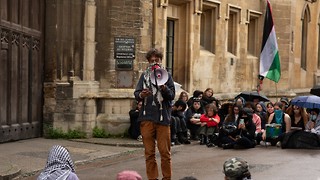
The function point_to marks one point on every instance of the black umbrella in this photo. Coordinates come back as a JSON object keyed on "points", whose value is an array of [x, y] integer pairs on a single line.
{"points": [[251, 95], [315, 91]]}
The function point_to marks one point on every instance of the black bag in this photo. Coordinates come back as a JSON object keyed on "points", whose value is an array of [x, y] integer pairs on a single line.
{"points": [[300, 140], [229, 129]]}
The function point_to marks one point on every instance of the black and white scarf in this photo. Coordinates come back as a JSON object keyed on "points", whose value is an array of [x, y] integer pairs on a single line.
{"points": [[59, 165]]}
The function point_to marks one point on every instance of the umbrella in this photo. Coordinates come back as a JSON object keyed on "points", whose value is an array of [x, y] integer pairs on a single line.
{"points": [[315, 91], [251, 95], [306, 101]]}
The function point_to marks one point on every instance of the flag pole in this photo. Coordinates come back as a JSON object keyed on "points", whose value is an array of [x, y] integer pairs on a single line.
{"points": [[276, 91]]}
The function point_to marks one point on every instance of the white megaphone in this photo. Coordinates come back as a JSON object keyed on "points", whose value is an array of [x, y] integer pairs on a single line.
{"points": [[159, 76]]}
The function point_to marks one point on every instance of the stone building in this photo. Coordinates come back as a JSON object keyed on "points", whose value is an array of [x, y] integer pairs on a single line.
{"points": [[93, 52]]}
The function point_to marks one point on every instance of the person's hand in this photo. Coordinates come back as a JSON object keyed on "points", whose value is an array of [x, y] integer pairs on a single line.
{"points": [[163, 87], [144, 93], [241, 126], [264, 135]]}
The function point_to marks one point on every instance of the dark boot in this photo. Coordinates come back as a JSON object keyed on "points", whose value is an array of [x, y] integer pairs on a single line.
{"points": [[182, 139], [227, 146], [203, 139], [210, 142], [187, 141]]}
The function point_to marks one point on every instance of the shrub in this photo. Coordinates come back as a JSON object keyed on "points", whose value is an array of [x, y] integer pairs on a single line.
{"points": [[57, 133], [99, 133]]}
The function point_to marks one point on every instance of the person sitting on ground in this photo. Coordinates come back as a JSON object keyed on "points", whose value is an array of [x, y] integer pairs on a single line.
{"points": [[299, 117], [192, 116], [270, 110], [196, 94], [134, 129], [224, 110], [244, 136], [179, 131], [236, 169], [240, 101], [128, 175], [59, 165], [313, 124], [285, 103], [261, 110], [208, 98], [255, 117], [184, 96], [209, 126], [281, 118], [229, 126]]}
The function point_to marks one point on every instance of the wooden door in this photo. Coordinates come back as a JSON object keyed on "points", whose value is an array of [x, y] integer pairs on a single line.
{"points": [[21, 69]]}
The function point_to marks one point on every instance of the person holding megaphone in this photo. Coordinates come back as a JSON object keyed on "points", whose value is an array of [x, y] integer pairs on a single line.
{"points": [[156, 90]]}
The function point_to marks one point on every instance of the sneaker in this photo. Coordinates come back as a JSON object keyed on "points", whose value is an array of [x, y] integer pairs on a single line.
{"points": [[139, 138], [278, 144], [263, 143]]}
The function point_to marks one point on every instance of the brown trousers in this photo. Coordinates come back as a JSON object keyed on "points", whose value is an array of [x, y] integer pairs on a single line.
{"points": [[153, 134]]}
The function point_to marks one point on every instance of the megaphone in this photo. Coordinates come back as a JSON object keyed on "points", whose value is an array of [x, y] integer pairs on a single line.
{"points": [[159, 76]]}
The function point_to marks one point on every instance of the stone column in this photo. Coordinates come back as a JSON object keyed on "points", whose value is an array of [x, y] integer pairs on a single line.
{"points": [[89, 40]]}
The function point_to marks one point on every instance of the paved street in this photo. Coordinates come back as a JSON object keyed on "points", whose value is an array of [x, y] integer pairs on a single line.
{"points": [[206, 163]]}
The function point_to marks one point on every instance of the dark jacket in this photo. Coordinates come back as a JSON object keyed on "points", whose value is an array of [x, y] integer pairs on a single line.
{"points": [[152, 113]]}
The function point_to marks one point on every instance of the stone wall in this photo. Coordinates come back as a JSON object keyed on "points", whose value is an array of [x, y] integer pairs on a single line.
{"points": [[75, 98]]}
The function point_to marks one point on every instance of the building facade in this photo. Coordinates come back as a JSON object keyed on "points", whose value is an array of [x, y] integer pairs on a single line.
{"points": [[93, 52]]}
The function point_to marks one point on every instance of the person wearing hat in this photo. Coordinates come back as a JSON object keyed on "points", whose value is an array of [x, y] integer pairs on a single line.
{"points": [[245, 135], [285, 103], [128, 175], [236, 169]]}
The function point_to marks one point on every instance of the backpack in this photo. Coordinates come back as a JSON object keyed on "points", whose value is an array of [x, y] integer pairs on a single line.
{"points": [[300, 140]]}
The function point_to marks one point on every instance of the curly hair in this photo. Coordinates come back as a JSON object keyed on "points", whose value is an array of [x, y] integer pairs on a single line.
{"points": [[154, 52]]}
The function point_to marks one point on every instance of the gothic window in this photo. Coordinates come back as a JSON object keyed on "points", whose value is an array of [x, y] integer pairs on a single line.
{"points": [[304, 37]]}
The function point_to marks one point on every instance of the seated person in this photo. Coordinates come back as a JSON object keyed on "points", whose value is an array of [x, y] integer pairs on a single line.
{"points": [[280, 118], [134, 129], [299, 117], [196, 94], [313, 124], [192, 116], [209, 126], [59, 165], [179, 131], [244, 137]]}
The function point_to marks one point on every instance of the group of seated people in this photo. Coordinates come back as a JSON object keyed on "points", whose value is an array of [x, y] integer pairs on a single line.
{"points": [[238, 123]]}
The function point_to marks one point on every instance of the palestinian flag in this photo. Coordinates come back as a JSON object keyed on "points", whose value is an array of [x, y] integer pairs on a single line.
{"points": [[269, 57]]}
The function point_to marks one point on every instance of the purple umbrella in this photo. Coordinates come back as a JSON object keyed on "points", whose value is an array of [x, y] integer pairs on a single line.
{"points": [[306, 101]]}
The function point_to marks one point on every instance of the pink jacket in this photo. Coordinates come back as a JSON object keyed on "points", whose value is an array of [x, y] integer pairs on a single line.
{"points": [[257, 121]]}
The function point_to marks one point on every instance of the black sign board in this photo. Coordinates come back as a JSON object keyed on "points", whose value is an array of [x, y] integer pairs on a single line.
{"points": [[124, 48], [124, 64]]}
